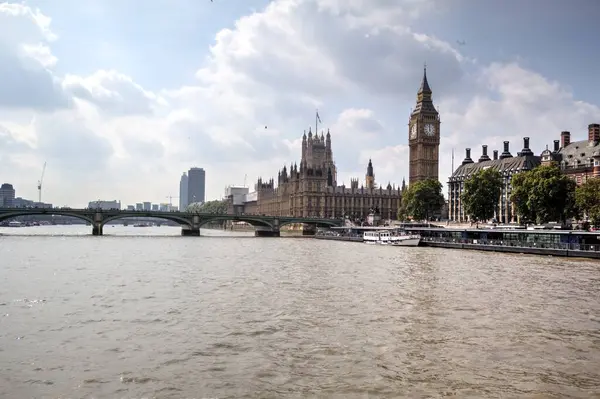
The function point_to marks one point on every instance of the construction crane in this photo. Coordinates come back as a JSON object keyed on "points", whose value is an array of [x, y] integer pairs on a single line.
{"points": [[170, 197], [40, 182]]}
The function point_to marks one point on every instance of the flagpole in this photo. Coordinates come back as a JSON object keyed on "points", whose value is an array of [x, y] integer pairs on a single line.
{"points": [[453, 160], [317, 122]]}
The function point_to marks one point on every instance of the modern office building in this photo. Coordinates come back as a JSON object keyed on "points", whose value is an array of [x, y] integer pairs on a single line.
{"points": [[183, 191], [147, 206], [7, 195], [196, 185], [236, 196]]}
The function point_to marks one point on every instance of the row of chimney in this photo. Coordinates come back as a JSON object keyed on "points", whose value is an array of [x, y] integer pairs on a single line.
{"points": [[565, 140], [505, 154]]}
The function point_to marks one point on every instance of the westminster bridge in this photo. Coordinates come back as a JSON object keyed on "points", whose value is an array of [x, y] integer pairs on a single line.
{"points": [[191, 222]]}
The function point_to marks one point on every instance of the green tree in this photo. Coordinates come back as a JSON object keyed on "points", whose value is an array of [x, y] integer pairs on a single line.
{"points": [[521, 186], [587, 198], [544, 194], [481, 194], [402, 214], [423, 199], [216, 206]]}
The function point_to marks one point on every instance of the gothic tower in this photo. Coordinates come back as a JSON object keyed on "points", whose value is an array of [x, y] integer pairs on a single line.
{"points": [[370, 176], [424, 136]]}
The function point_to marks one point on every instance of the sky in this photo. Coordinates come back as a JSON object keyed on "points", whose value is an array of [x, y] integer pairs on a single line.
{"points": [[121, 97]]}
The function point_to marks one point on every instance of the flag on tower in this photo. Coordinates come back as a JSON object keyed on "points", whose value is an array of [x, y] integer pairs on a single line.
{"points": [[318, 117]]}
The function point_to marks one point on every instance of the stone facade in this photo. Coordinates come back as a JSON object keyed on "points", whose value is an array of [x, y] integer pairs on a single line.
{"points": [[310, 189], [506, 164]]}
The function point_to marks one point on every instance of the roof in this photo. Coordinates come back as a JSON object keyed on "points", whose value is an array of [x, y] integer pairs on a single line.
{"points": [[424, 83], [514, 164], [577, 151]]}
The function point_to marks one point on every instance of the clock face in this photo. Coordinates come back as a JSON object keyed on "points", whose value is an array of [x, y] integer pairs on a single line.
{"points": [[413, 131], [429, 129]]}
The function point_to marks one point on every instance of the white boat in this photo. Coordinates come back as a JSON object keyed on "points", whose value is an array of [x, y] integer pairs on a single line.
{"points": [[15, 223], [391, 237]]}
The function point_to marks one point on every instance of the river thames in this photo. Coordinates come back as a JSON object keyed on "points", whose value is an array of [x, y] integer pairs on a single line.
{"points": [[146, 313]]}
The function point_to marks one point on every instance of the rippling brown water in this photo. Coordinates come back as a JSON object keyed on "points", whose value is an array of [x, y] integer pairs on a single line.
{"points": [[224, 317]]}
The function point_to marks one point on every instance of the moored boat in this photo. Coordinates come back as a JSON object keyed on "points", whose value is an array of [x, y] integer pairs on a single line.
{"points": [[391, 237]]}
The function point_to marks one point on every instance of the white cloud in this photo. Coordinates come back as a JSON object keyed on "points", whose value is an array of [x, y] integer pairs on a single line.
{"points": [[113, 92], [104, 135], [24, 58]]}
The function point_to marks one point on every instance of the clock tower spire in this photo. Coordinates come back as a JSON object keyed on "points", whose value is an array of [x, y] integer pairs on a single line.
{"points": [[424, 136]]}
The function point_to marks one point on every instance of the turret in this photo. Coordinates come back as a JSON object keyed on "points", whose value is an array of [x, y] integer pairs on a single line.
{"points": [[370, 176]]}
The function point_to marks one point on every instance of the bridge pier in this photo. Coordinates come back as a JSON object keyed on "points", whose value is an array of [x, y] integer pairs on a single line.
{"points": [[188, 231], [309, 229], [266, 232], [97, 229]]}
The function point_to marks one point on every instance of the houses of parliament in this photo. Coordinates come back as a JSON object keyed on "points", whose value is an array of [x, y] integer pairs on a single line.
{"points": [[310, 188]]}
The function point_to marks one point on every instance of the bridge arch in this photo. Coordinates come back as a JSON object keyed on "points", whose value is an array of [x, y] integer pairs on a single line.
{"points": [[44, 211], [255, 222], [172, 218]]}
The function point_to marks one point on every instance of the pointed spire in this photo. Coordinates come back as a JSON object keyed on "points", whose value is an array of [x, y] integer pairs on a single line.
{"points": [[370, 169], [304, 135], [424, 84], [328, 134]]}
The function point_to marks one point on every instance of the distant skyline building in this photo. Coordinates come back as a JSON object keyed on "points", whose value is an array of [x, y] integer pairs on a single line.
{"points": [[183, 191], [196, 185], [7, 195], [147, 206], [104, 205]]}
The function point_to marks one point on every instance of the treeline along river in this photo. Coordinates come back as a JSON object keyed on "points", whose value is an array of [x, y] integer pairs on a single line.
{"points": [[142, 313]]}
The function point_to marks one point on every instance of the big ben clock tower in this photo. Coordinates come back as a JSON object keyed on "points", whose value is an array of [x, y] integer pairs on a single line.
{"points": [[424, 136]]}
